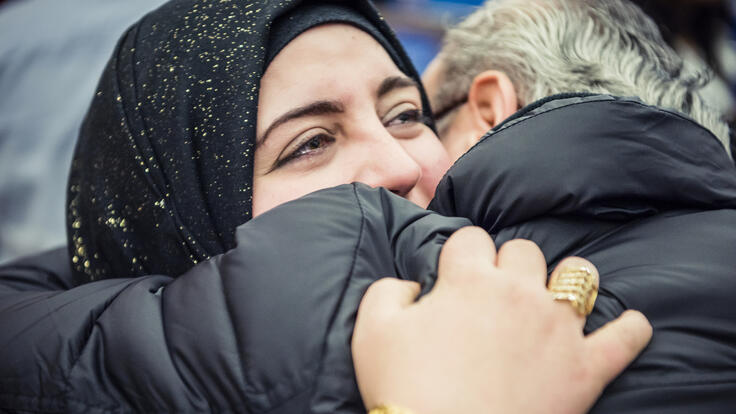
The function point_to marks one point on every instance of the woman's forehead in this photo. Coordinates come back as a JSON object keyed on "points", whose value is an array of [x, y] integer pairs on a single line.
{"points": [[328, 57]]}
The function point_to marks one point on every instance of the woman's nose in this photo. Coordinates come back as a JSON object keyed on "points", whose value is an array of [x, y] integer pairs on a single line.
{"points": [[387, 164]]}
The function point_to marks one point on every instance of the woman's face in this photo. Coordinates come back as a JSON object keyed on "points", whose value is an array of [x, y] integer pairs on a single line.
{"points": [[334, 109]]}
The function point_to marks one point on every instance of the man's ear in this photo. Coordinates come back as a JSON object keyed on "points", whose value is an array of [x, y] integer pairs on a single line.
{"points": [[491, 99]]}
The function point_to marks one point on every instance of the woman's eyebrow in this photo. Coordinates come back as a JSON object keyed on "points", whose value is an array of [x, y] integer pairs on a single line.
{"points": [[312, 109], [395, 82]]}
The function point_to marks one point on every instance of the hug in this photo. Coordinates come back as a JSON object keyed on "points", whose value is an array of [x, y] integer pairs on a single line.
{"points": [[247, 170]]}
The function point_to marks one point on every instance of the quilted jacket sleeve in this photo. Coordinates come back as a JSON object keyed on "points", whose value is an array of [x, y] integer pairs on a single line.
{"points": [[262, 328]]}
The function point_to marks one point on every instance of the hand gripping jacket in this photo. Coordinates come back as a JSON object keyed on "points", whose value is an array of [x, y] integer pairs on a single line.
{"points": [[644, 193]]}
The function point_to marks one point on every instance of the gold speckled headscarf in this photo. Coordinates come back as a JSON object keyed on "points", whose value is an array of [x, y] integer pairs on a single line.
{"points": [[163, 169]]}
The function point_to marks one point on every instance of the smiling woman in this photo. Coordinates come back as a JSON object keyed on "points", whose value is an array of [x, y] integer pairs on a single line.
{"points": [[206, 125], [333, 109]]}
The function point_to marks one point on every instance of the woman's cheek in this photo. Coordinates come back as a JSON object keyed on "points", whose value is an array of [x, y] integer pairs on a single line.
{"points": [[435, 162], [269, 192], [284, 186]]}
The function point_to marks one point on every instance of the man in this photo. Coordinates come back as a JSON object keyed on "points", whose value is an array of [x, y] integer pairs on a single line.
{"points": [[509, 54], [643, 187]]}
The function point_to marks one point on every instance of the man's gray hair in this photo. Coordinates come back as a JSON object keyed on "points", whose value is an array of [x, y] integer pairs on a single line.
{"points": [[555, 46]]}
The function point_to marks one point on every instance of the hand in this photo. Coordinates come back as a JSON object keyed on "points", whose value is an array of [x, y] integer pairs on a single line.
{"points": [[488, 338]]}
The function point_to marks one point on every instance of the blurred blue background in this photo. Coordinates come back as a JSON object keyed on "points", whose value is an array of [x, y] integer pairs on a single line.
{"points": [[420, 24]]}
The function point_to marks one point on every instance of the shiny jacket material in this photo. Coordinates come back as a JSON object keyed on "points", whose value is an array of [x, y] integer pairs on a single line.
{"points": [[649, 197], [645, 194]]}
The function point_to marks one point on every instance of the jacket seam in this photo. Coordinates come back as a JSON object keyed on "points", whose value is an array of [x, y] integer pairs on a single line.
{"points": [[190, 387], [228, 312], [616, 99], [63, 407], [281, 404], [320, 369], [640, 387], [74, 364], [38, 269]]}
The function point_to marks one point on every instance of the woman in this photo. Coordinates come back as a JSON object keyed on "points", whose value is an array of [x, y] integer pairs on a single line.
{"points": [[211, 113]]}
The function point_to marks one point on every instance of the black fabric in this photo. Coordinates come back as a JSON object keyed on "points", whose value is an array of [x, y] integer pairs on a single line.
{"points": [[254, 330], [536, 104], [646, 195], [627, 147], [162, 172], [44, 271], [301, 19]]}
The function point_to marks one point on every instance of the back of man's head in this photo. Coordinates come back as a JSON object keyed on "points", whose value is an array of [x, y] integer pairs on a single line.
{"points": [[547, 47]]}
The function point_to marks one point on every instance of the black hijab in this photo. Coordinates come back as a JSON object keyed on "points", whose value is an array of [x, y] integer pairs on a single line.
{"points": [[163, 169]]}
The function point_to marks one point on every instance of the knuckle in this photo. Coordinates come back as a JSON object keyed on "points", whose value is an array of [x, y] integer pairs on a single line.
{"points": [[382, 285], [468, 231], [374, 294], [614, 353], [412, 288], [576, 261], [634, 332], [581, 371], [521, 245], [373, 289], [465, 237], [463, 278], [519, 294]]}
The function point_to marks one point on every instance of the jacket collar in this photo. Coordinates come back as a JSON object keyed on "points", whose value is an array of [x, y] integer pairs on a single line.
{"points": [[592, 155]]}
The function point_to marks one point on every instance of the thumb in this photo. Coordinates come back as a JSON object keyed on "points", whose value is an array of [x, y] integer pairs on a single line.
{"points": [[387, 296], [612, 347]]}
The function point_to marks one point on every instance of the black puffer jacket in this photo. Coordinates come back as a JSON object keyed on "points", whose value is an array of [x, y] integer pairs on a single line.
{"points": [[645, 194], [649, 197], [263, 328]]}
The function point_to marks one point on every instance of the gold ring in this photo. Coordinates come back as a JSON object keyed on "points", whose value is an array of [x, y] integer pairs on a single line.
{"points": [[388, 409], [576, 285]]}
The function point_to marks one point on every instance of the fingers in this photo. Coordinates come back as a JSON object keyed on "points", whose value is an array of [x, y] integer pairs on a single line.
{"points": [[523, 258], [612, 347], [574, 263], [387, 296], [380, 304], [468, 252]]}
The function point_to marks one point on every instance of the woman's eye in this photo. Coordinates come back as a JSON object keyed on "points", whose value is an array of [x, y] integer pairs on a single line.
{"points": [[311, 146], [406, 117], [405, 121]]}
